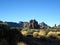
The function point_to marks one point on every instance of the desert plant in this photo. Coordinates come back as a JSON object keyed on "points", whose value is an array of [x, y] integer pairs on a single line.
{"points": [[42, 33], [24, 33], [35, 34], [52, 33]]}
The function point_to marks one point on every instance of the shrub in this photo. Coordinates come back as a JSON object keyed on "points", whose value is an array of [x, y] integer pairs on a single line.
{"points": [[42, 33], [52, 33], [4, 42], [24, 33], [35, 34], [22, 43]]}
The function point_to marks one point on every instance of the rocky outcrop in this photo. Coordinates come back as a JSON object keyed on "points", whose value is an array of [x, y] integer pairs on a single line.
{"points": [[26, 24], [33, 24], [58, 26], [43, 25]]}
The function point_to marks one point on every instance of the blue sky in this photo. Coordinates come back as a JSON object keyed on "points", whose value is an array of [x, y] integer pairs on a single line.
{"points": [[47, 11]]}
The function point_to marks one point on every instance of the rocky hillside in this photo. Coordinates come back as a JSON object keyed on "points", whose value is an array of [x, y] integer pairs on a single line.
{"points": [[32, 24]]}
